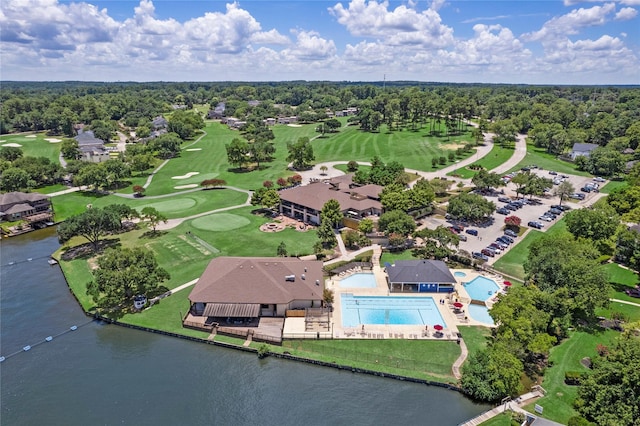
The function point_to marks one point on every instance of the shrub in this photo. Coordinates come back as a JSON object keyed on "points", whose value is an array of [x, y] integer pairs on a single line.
{"points": [[572, 378], [263, 351], [352, 166]]}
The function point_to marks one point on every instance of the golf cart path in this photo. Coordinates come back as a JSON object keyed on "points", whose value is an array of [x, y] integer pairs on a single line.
{"points": [[626, 302], [172, 223], [186, 191]]}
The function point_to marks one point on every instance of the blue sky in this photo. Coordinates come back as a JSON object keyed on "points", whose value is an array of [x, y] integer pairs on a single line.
{"points": [[516, 41]]}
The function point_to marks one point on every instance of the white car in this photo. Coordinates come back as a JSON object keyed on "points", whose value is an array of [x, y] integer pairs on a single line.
{"points": [[599, 179], [546, 218]]}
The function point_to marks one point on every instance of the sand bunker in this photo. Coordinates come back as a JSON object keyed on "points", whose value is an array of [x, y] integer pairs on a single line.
{"points": [[191, 185], [193, 149], [294, 125], [187, 176], [14, 145], [53, 140], [30, 136]]}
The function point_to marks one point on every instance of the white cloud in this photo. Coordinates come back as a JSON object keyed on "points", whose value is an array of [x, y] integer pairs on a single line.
{"points": [[571, 23], [626, 13], [403, 25], [310, 46]]}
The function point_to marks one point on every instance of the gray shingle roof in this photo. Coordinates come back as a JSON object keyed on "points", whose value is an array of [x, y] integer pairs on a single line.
{"points": [[584, 147], [420, 271]]}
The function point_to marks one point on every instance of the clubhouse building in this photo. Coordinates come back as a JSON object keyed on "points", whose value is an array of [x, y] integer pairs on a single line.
{"points": [[240, 295], [356, 202], [419, 276]]}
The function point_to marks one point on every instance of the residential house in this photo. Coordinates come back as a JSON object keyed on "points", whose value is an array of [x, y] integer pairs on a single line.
{"points": [[218, 112], [159, 123], [269, 121], [91, 148], [419, 276], [32, 207], [288, 120], [356, 202], [582, 149]]}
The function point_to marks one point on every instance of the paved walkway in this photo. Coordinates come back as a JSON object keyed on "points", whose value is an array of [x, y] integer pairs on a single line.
{"points": [[626, 302], [514, 405], [464, 352]]}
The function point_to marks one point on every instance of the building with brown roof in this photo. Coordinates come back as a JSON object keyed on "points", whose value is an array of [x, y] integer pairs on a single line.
{"points": [[305, 202], [32, 207], [249, 287]]}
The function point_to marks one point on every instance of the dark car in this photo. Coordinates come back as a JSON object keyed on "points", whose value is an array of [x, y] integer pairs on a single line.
{"points": [[534, 224], [577, 196], [471, 231], [561, 207], [507, 239], [504, 199], [511, 233], [488, 252], [511, 207], [551, 172], [502, 244], [557, 212], [480, 256], [586, 189], [503, 211]]}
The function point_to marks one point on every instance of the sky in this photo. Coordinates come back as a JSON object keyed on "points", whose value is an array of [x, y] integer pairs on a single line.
{"points": [[470, 41]]}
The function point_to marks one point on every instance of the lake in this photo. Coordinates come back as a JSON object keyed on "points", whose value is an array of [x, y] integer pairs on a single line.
{"points": [[105, 374]]}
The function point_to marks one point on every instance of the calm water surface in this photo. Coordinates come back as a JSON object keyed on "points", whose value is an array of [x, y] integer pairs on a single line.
{"points": [[104, 374]]}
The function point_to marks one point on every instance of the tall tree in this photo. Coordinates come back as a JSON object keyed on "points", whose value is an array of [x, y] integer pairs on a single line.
{"points": [[153, 217], [92, 224], [564, 190], [122, 274], [300, 153], [331, 213], [238, 152]]}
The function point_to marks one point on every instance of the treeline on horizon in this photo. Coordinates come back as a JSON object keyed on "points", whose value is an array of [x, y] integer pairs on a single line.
{"points": [[555, 117]]}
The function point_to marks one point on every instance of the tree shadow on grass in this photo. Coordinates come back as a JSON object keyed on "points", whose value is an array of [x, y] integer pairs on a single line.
{"points": [[153, 234], [621, 287], [87, 250]]}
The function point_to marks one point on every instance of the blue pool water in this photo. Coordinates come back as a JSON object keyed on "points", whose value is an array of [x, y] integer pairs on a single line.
{"points": [[481, 288], [359, 281], [480, 313], [459, 274], [382, 310]]}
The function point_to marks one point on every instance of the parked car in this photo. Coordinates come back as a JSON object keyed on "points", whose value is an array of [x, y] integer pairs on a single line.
{"points": [[561, 208], [551, 172], [480, 256], [503, 211], [511, 233], [462, 237], [556, 212], [496, 248], [534, 224], [577, 196], [545, 218], [471, 231], [507, 239], [599, 179], [488, 252], [511, 207], [454, 230], [504, 199]]}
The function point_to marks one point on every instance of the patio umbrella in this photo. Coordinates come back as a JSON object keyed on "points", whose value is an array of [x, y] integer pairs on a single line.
{"points": [[458, 305], [507, 283], [438, 327]]}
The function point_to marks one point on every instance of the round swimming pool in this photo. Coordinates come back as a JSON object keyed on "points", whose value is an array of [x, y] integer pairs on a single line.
{"points": [[459, 274]]}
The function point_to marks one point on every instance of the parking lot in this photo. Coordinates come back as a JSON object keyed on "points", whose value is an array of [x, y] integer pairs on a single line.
{"points": [[488, 232]]}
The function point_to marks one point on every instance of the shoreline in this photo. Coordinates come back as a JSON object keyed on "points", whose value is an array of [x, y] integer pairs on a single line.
{"points": [[284, 356]]}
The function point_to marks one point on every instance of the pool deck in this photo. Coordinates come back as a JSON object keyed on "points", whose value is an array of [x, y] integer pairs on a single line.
{"points": [[295, 327]]}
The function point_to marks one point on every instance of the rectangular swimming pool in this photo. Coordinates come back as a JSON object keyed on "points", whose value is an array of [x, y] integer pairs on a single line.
{"points": [[359, 280], [481, 288], [387, 310]]}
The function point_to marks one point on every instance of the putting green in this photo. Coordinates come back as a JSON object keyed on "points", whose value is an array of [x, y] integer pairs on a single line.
{"points": [[220, 222], [171, 206]]}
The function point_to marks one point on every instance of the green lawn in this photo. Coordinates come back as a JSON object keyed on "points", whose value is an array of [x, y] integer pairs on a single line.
{"points": [[50, 189], [406, 357], [413, 149], [542, 159], [496, 157], [502, 419], [511, 263], [475, 338], [558, 402], [621, 279], [180, 205], [613, 185], [391, 257], [35, 147]]}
